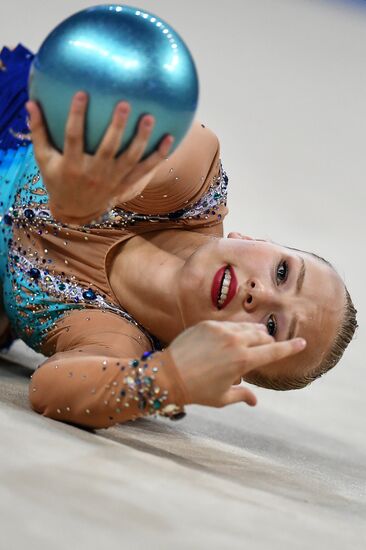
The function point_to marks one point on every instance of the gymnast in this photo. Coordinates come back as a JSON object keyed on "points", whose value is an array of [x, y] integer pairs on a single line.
{"points": [[116, 269]]}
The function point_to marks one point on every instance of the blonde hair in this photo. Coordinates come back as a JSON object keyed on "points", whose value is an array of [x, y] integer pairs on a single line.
{"points": [[343, 337]]}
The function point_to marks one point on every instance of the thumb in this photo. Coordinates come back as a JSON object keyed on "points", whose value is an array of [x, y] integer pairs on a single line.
{"points": [[238, 394]]}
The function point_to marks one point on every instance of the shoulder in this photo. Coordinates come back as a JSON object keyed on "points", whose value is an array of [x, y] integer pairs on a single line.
{"points": [[195, 153]]}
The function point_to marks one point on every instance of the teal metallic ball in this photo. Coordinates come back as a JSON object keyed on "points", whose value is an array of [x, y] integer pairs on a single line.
{"points": [[115, 53]]}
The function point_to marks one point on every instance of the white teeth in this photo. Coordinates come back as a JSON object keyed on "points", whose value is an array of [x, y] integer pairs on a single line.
{"points": [[225, 287]]}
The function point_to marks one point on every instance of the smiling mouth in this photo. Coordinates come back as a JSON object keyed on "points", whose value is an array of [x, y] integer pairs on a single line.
{"points": [[224, 286]]}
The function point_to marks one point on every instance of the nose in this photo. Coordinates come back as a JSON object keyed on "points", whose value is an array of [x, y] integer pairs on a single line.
{"points": [[258, 295]]}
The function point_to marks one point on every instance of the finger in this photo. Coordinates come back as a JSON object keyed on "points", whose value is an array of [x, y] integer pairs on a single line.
{"points": [[239, 395], [112, 138], [255, 337], [270, 353], [129, 158], [41, 144], [151, 162], [74, 130]]}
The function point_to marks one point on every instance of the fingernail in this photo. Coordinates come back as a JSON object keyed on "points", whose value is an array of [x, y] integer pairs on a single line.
{"points": [[169, 141], [300, 343], [80, 97], [123, 110], [148, 122]]}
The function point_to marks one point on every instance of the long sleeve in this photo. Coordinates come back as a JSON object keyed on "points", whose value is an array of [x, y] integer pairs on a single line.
{"points": [[103, 378]]}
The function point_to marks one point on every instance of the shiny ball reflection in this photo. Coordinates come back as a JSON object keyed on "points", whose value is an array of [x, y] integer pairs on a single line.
{"points": [[115, 53]]}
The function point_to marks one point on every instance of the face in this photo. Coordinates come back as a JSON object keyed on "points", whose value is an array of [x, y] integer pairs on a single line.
{"points": [[292, 293]]}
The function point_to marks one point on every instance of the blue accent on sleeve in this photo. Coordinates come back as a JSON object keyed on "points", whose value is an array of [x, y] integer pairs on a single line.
{"points": [[14, 71]]}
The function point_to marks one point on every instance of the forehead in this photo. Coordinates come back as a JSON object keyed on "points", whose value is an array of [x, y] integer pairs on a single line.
{"points": [[320, 307]]}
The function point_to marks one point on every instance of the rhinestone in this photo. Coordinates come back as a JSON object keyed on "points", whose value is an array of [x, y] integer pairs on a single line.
{"points": [[34, 273], [142, 403], [89, 294], [28, 213], [87, 411]]}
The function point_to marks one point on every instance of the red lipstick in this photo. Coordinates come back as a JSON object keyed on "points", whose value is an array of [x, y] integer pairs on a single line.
{"points": [[216, 287]]}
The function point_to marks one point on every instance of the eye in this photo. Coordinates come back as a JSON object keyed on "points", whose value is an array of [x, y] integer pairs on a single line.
{"points": [[271, 325], [282, 272]]}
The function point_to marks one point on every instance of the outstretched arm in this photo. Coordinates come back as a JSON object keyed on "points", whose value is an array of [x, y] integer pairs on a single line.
{"points": [[98, 376], [102, 373]]}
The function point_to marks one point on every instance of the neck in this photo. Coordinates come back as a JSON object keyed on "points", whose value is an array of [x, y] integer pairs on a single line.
{"points": [[145, 275]]}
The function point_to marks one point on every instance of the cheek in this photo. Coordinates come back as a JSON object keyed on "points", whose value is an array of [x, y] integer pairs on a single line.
{"points": [[253, 261]]}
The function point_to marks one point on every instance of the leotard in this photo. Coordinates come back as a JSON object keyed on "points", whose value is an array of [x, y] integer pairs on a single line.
{"points": [[54, 277]]}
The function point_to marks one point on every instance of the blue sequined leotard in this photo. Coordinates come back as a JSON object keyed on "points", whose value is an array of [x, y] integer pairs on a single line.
{"points": [[42, 278]]}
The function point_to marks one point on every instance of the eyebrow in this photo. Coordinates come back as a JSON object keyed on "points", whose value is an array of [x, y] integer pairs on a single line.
{"points": [[299, 283], [300, 278]]}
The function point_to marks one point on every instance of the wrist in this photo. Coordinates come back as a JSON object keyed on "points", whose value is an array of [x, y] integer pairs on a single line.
{"points": [[170, 391], [64, 217]]}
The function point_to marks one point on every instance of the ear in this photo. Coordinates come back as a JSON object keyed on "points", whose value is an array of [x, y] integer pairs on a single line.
{"points": [[236, 235]]}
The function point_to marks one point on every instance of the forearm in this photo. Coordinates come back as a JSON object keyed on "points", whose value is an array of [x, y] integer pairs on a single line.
{"points": [[98, 391]]}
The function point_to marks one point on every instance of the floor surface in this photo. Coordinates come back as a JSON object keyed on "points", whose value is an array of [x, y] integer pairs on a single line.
{"points": [[283, 85], [268, 477]]}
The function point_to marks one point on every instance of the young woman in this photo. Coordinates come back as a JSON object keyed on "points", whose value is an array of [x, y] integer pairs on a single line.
{"points": [[117, 270]]}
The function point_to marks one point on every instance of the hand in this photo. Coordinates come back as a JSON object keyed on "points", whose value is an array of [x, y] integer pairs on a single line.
{"points": [[81, 187], [213, 355]]}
